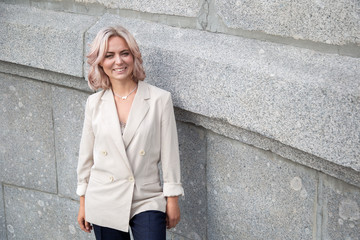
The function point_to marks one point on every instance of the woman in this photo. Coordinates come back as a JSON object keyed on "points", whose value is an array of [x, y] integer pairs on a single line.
{"points": [[129, 128]]}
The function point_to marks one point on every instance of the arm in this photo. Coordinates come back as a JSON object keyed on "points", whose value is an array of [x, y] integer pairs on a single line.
{"points": [[84, 225], [85, 162], [172, 212], [170, 164]]}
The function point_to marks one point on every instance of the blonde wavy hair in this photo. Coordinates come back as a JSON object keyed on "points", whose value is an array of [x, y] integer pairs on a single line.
{"points": [[97, 77]]}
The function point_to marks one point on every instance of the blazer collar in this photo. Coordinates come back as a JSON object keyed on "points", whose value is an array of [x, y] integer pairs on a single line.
{"points": [[138, 111], [111, 121]]}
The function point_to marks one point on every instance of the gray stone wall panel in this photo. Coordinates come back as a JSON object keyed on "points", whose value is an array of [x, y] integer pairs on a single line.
{"points": [[192, 144], [253, 194], [179, 237], [44, 76], [250, 138], [43, 39], [37, 215], [304, 99], [2, 215], [340, 209], [69, 106], [331, 22], [186, 8], [27, 137]]}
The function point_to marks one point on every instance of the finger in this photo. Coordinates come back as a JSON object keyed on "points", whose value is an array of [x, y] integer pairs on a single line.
{"points": [[87, 226], [175, 222], [81, 224], [172, 223]]}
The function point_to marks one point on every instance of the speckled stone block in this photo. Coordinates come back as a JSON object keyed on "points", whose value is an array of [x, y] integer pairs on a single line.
{"points": [[339, 207], [179, 237], [2, 216], [192, 144], [69, 107], [43, 39], [37, 215], [327, 21], [301, 98], [254, 194], [186, 8], [27, 137]]}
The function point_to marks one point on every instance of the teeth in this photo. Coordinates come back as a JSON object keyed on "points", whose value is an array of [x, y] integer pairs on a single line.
{"points": [[119, 69]]}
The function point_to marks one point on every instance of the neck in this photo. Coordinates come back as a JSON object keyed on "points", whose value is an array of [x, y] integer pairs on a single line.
{"points": [[123, 88]]}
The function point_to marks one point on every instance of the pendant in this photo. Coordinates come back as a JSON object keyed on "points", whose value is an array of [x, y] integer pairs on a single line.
{"points": [[124, 98]]}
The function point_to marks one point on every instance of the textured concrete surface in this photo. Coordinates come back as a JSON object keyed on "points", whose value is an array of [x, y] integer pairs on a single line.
{"points": [[218, 126], [304, 99], [253, 194], [44, 76], [36, 215], [178, 237], [300, 104], [2, 216], [186, 8], [69, 106], [327, 21], [27, 137], [340, 211], [43, 39], [192, 143]]}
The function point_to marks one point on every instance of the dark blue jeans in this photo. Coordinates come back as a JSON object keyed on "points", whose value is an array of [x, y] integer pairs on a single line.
{"points": [[149, 225]]}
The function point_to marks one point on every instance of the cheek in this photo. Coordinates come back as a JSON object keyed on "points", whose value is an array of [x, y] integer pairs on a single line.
{"points": [[130, 60], [106, 65]]}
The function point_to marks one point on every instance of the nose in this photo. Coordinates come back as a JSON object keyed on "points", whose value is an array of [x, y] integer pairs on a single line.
{"points": [[118, 59]]}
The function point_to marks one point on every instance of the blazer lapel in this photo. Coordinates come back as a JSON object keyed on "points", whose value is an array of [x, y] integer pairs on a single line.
{"points": [[138, 111], [112, 121]]}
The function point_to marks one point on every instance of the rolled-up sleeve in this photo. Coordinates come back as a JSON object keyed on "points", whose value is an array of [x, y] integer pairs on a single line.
{"points": [[85, 161], [170, 159]]}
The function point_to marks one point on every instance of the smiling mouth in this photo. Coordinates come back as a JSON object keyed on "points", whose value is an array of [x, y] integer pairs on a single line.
{"points": [[120, 69]]}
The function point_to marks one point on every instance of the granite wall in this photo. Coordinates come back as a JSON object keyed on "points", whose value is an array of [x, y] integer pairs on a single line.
{"points": [[267, 101]]}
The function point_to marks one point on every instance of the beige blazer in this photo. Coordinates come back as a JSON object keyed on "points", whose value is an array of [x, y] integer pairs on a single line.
{"points": [[119, 175]]}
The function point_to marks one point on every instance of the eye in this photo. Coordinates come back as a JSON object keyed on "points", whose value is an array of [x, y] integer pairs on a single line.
{"points": [[125, 54], [108, 55]]}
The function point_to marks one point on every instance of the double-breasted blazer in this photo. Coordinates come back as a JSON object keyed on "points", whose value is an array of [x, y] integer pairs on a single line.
{"points": [[119, 174]]}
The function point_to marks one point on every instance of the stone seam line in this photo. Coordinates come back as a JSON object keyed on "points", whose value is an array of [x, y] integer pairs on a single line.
{"points": [[214, 25]]}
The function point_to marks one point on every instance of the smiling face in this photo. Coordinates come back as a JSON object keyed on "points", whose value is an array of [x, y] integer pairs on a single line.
{"points": [[118, 63]]}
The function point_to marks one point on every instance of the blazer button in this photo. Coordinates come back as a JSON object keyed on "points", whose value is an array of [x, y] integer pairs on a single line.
{"points": [[142, 152], [131, 179], [104, 153], [111, 179]]}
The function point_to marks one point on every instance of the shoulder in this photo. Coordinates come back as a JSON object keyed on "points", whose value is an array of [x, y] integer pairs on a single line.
{"points": [[156, 92], [94, 98]]}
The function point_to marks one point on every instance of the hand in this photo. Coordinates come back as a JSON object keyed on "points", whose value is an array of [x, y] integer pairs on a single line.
{"points": [[172, 212], [84, 225]]}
